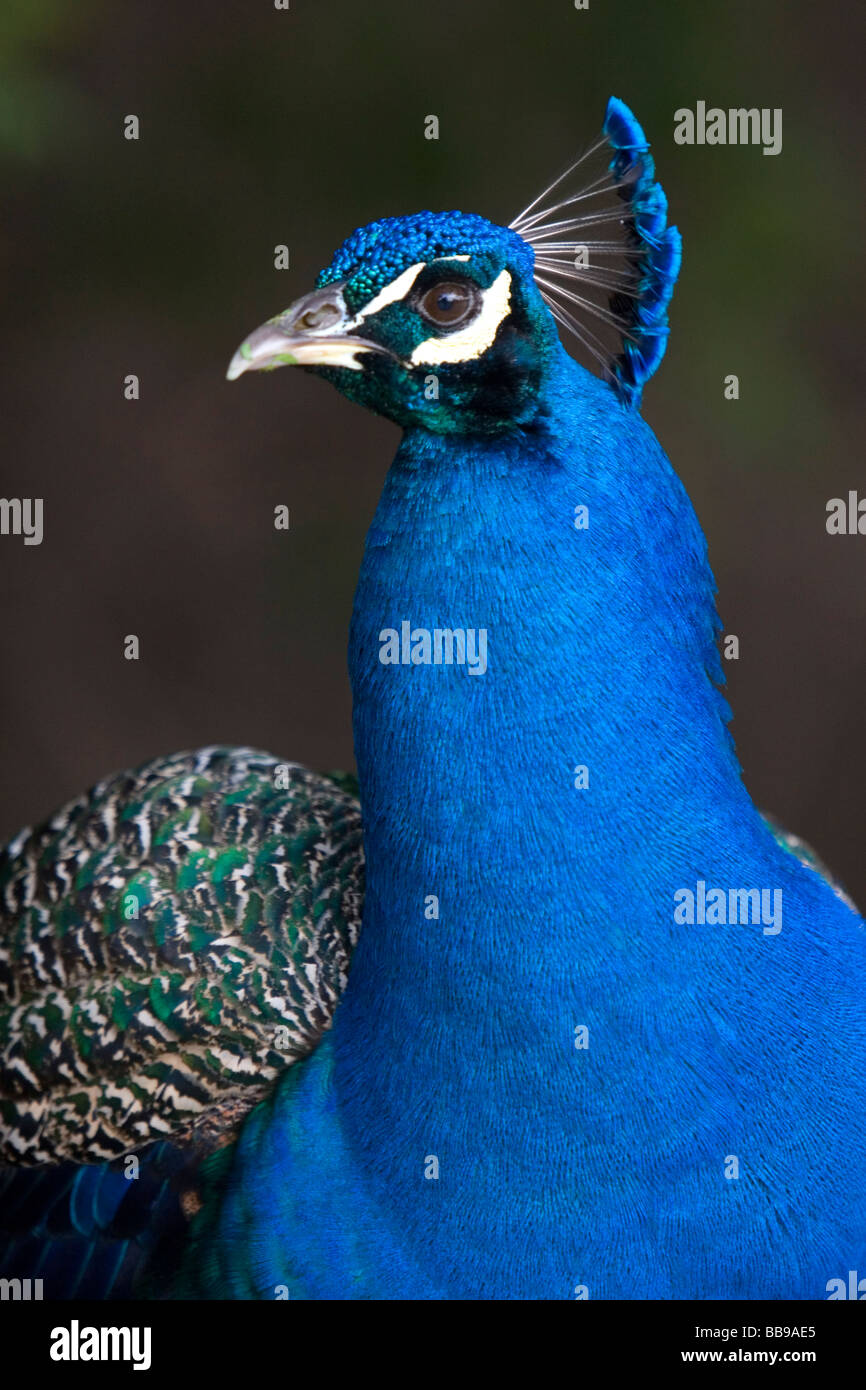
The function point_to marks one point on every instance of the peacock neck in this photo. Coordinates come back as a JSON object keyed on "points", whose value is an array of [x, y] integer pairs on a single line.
{"points": [[521, 819]]}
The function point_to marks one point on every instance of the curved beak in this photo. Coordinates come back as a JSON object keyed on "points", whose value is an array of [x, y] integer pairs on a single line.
{"points": [[315, 331]]}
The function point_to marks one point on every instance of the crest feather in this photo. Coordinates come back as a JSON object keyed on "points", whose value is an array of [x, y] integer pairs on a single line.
{"points": [[604, 252]]}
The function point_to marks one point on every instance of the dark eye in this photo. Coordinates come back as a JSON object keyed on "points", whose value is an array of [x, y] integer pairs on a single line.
{"points": [[449, 303]]}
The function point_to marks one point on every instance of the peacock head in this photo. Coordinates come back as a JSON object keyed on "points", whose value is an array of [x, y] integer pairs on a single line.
{"points": [[449, 321]]}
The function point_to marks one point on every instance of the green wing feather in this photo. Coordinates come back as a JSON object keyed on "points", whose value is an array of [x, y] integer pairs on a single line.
{"points": [[168, 944]]}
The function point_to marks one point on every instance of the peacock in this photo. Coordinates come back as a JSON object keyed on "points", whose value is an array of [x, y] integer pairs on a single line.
{"points": [[541, 1006]]}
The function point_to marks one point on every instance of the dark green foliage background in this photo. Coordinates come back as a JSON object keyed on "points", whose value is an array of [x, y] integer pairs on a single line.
{"points": [[260, 127]]}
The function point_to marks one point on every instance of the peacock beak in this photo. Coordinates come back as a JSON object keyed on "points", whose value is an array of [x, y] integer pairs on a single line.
{"points": [[315, 331]]}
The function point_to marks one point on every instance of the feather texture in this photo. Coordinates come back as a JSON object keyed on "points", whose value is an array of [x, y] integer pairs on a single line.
{"points": [[170, 942], [605, 260], [545, 1073]]}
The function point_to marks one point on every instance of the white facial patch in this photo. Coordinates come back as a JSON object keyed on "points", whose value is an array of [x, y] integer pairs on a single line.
{"points": [[461, 346], [477, 337], [393, 293], [390, 294]]}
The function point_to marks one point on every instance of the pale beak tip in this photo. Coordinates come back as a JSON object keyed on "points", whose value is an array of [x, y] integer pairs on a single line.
{"points": [[239, 363]]}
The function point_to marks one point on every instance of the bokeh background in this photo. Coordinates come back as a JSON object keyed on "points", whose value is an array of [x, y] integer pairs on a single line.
{"points": [[261, 127]]}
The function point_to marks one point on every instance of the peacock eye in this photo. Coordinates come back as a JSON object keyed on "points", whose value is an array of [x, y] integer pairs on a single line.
{"points": [[449, 303]]}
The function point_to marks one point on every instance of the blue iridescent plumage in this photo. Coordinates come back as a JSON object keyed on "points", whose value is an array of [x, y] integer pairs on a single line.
{"points": [[662, 265], [376, 254], [547, 1076]]}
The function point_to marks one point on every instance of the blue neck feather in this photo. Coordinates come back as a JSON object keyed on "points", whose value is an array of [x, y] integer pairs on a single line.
{"points": [[601, 653], [454, 1046]]}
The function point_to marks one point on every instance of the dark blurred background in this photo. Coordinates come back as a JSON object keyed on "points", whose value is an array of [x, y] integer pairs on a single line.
{"points": [[155, 257]]}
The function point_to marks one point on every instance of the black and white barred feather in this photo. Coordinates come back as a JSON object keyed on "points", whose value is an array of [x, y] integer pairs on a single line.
{"points": [[168, 944]]}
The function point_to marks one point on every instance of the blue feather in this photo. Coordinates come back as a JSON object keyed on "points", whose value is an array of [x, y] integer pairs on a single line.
{"points": [[633, 166], [554, 1081]]}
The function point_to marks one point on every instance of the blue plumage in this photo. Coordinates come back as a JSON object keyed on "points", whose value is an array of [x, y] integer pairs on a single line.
{"points": [[91, 1231], [557, 1167], [376, 254], [663, 244], [604, 1031]]}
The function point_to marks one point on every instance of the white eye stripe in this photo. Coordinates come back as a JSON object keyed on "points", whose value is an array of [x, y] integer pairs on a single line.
{"points": [[477, 337], [463, 346], [390, 294], [397, 290]]}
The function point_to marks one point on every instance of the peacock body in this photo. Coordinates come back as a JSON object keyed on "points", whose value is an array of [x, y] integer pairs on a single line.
{"points": [[546, 1071]]}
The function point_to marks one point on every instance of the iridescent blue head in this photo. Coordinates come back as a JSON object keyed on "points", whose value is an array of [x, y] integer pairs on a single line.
{"points": [[448, 321]]}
